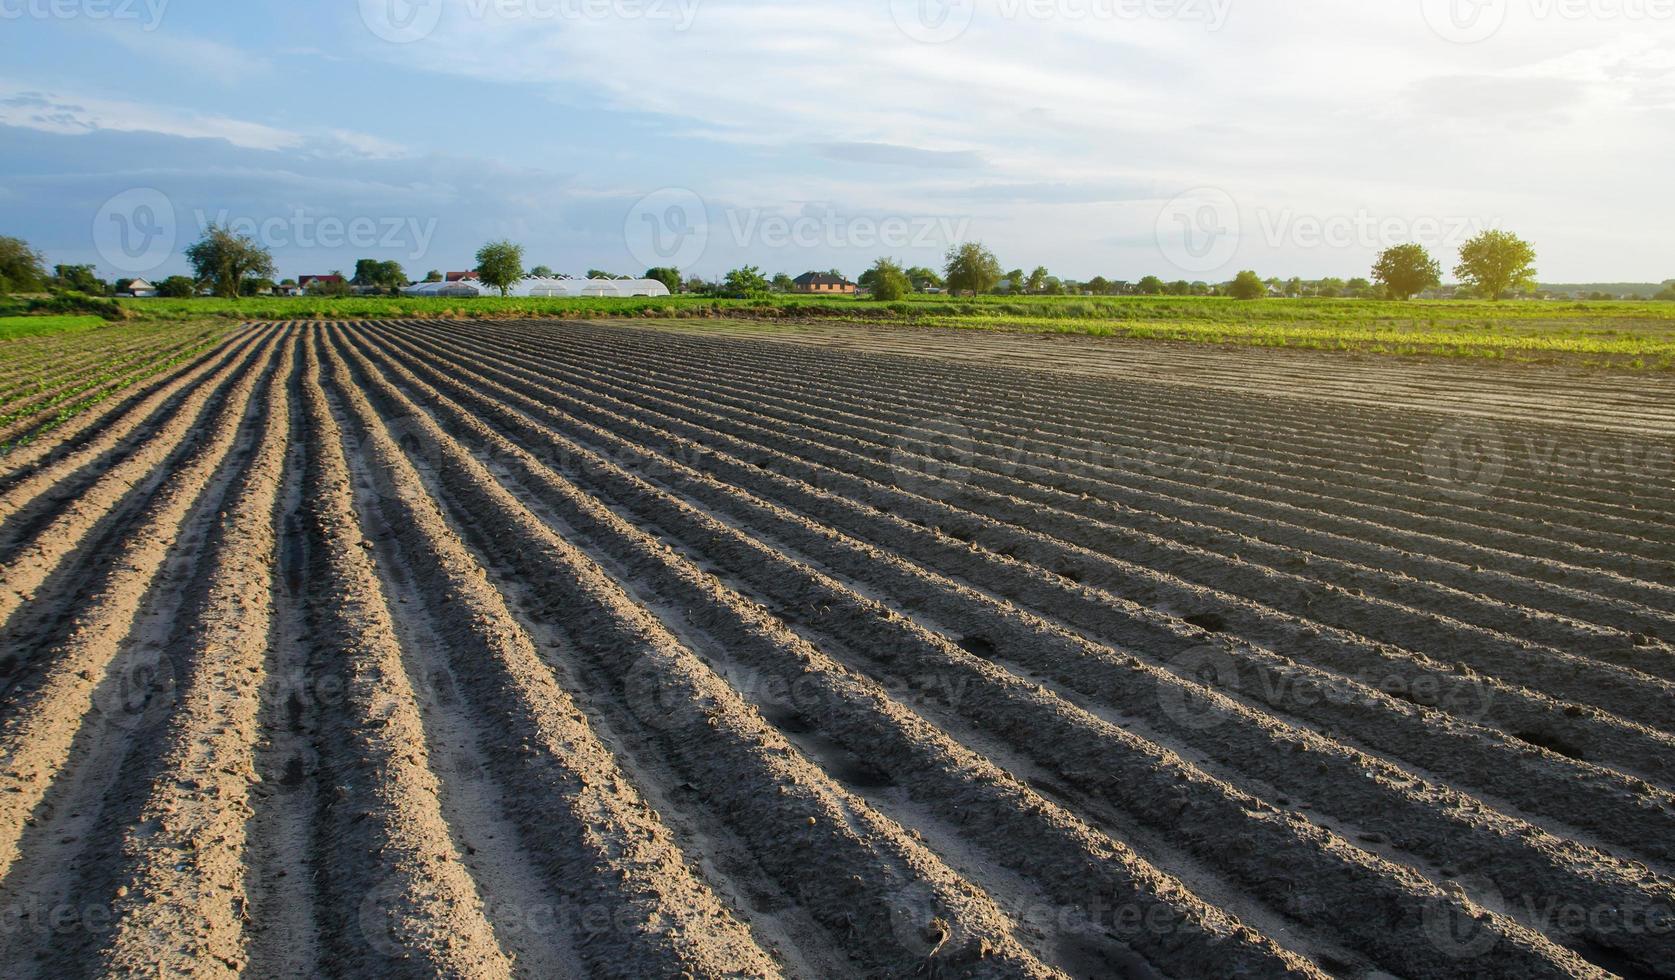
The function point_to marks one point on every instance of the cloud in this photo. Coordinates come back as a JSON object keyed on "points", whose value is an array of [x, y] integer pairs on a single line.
{"points": [[73, 115]]}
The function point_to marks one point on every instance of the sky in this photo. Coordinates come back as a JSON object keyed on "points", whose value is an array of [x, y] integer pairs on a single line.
{"points": [[1182, 138]]}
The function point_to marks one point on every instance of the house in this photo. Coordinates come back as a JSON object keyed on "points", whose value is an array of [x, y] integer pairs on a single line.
{"points": [[460, 276], [141, 289], [822, 282], [304, 282], [287, 289]]}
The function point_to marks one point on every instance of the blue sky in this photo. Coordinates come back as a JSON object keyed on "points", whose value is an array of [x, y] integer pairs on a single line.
{"points": [[1184, 138]]}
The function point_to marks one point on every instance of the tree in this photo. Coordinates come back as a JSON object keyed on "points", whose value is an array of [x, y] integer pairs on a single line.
{"points": [[600, 274], [500, 264], [745, 283], [971, 268], [1405, 271], [22, 270], [1293, 287], [1247, 285], [1496, 263], [667, 275], [1668, 290], [254, 286], [923, 278], [888, 280], [542, 272], [335, 286], [782, 283], [384, 275], [1358, 287], [78, 278], [1149, 286], [1037, 281], [225, 260], [1180, 287], [1099, 286], [177, 287], [434, 275]]}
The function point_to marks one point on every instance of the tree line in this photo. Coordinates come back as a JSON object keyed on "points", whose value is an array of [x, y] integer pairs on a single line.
{"points": [[1494, 265]]}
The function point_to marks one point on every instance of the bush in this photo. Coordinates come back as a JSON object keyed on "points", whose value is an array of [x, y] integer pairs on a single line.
{"points": [[1247, 285], [77, 304]]}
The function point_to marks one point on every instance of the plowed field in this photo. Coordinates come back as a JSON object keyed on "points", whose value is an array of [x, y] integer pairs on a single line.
{"points": [[490, 649]]}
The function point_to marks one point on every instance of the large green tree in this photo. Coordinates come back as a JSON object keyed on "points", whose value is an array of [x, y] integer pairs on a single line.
{"points": [[1497, 263], [177, 287], [971, 268], [888, 280], [923, 278], [745, 283], [1247, 285], [1405, 271], [384, 275], [78, 278], [667, 275], [22, 270], [225, 260], [500, 264]]}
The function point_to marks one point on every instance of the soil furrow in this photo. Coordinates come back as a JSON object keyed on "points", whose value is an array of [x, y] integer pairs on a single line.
{"points": [[1386, 669], [1629, 693], [847, 862], [1116, 755]]}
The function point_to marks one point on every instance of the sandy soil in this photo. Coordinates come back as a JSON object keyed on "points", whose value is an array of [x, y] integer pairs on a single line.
{"points": [[569, 649]]}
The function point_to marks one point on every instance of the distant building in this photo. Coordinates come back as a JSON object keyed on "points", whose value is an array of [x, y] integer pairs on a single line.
{"points": [[459, 276], [821, 282], [304, 282], [141, 289]]}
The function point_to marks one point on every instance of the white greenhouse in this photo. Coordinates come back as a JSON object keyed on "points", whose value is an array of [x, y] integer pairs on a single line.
{"points": [[533, 287]]}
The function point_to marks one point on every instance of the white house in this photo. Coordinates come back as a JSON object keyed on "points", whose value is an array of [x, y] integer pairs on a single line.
{"points": [[141, 289], [533, 287]]}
